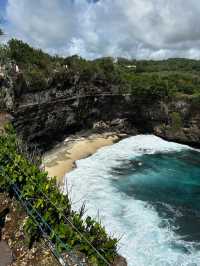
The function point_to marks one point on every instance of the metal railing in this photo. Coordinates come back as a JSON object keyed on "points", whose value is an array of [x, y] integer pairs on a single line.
{"points": [[45, 228]]}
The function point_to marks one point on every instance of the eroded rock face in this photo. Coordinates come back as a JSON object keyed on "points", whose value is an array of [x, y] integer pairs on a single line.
{"points": [[69, 104], [182, 124]]}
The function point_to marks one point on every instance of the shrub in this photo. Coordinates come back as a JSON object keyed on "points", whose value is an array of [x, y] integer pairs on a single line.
{"points": [[196, 98], [37, 188], [4, 54], [176, 121], [36, 80]]}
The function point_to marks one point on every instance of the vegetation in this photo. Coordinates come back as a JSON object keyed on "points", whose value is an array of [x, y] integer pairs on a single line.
{"points": [[176, 121], [4, 54], [36, 189], [145, 79]]}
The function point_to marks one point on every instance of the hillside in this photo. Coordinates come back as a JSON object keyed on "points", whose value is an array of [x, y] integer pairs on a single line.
{"points": [[153, 78], [62, 95]]}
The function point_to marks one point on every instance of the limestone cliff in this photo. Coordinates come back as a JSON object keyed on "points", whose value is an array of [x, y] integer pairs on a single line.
{"points": [[69, 104]]}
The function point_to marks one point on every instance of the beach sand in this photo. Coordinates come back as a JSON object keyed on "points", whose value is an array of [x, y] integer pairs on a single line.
{"points": [[62, 158]]}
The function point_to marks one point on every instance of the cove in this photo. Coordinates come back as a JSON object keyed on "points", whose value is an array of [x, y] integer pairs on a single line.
{"points": [[146, 191]]}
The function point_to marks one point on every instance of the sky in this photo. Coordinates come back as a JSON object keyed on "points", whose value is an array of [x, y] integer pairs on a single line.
{"points": [[138, 29]]}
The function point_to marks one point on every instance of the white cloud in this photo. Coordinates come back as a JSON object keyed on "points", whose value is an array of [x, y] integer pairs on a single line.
{"points": [[133, 28]]}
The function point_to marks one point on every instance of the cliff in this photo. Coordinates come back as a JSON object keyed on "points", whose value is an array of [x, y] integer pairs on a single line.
{"points": [[69, 104]]}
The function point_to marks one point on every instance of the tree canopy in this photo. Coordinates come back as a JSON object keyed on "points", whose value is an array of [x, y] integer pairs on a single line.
{"points": [[143, 78]]}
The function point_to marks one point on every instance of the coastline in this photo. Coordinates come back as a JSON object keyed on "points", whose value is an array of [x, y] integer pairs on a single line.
{"points": [[61, 159]]}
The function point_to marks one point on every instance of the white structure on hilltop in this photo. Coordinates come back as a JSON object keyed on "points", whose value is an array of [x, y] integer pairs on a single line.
{"points": [[132, 66]]}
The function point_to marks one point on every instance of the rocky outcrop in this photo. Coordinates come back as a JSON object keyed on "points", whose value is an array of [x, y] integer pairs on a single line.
{"points": [[69, 104], [182, 122]]}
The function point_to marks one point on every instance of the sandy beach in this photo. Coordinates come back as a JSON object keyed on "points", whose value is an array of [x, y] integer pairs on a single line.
{"points": [[61, 159]]}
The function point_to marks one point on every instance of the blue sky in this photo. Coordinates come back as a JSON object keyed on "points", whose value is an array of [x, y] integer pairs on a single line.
{"points": [[128, 28], [2, 7], [3, 3]]}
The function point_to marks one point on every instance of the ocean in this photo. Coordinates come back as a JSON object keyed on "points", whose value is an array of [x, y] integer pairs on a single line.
{"points": [[146, 192]]}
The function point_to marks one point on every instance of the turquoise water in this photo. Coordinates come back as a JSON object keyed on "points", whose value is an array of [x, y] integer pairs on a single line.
{"points": [[170, 183], [146, 192]]}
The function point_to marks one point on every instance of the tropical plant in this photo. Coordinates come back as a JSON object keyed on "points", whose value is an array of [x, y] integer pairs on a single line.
{"points": [[54, 208]]}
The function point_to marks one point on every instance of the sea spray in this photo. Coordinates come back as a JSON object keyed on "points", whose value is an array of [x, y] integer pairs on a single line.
{"points": [[110, 182]]}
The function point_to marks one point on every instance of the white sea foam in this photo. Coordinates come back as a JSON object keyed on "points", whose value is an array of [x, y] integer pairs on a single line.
{"points": [[144, 242]]}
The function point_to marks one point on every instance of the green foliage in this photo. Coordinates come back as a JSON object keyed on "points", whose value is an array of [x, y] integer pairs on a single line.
{"points": [[4, 54], [152, 80], [36, 65], [36, 187], [26, 56], [196, 99], [176, 121], [36, 80]]}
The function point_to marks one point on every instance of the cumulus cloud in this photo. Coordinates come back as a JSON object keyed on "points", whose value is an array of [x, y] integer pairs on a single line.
{"points": [[93, 28]]}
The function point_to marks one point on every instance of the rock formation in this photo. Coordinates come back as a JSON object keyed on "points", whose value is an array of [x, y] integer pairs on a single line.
{"points": [[69, 104]]}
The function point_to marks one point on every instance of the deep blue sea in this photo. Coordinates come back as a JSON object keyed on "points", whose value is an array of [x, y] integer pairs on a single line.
{"points": [[146, 191]]}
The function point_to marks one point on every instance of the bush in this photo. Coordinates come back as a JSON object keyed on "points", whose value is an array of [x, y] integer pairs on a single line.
{"points": [[196, 98], [36, 66], [37, 188], [176, 121], [4, 54], [36, 80]]}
